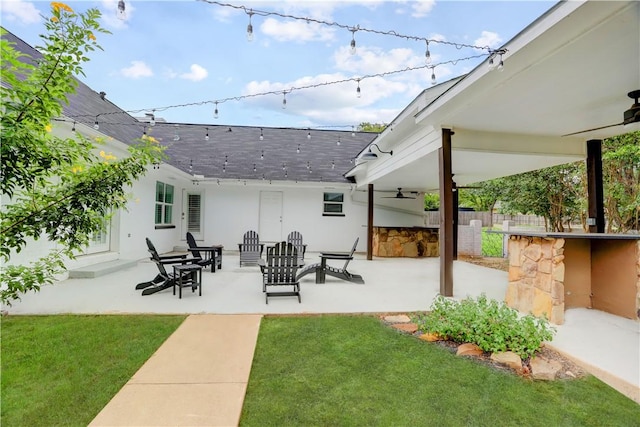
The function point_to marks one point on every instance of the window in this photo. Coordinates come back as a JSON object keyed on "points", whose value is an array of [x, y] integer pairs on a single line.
{"points": [[164, 204], [333, 204]]}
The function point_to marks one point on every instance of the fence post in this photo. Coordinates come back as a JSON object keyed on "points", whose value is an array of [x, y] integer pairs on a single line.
{"points": [[475, 226], [506, 225]]}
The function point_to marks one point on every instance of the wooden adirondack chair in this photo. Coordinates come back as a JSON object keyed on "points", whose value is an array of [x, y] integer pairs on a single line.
{"points": [[321, 269], [250, 249], [295, 238], [280, 270]]}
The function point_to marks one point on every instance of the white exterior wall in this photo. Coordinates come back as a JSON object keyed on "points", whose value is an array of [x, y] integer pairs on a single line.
{"points": [[229, 210]]}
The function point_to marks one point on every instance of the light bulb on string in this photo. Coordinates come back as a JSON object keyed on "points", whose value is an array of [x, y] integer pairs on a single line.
{"points": [[254, 167], [500, 64], [206, 135], [176, 137], [353, 131], [215, 111], [73, 128], [225, 161], [250, 27], [352, 45], [358, 92], [338, 141], [261, 135], [333, 164], [308, 135], [262, 155], [298, 149], [427, 55], [284, 99], [433, 76], [122, 15], [96, 126], [152, 118], [144, 132]]}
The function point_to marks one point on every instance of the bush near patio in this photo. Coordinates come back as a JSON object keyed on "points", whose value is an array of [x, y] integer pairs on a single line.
{"points": [[490, 324]]}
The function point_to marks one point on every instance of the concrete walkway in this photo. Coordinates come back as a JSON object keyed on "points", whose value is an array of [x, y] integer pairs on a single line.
{"points": [[198, 377]]}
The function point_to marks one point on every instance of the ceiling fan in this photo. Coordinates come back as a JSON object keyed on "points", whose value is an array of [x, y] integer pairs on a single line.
{"points": [[632, 115], [399, 195]]}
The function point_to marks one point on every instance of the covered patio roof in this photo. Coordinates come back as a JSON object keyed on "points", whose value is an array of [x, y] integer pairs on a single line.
{"points": [[568, 71]]}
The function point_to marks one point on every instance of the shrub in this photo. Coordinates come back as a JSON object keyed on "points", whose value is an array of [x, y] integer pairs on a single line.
{"points": [[490, 324]]}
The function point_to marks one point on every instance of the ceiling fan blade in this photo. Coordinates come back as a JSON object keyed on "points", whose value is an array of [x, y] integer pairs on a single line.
{"points": [[598, 128]]}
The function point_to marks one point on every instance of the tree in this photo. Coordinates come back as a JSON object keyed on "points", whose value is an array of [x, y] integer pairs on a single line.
{"points": [[62, 189], [371, 127], [621, 181]]}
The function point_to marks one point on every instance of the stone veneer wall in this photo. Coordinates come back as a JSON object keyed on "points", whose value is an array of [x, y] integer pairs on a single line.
{"points": [[536, 277], [411, 242]]}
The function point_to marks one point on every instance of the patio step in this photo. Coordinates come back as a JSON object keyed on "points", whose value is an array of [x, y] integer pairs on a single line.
{"points": [[100, 269]]}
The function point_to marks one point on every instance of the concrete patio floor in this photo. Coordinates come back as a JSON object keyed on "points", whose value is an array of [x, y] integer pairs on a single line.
{"points": [[607, 345]]}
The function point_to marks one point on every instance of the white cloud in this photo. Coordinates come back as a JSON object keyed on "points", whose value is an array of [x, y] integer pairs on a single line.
{"points": [[196, 74], [488, 38], [137, 70], [297, 31], [422, 8], [373, 60], [20, 11]]}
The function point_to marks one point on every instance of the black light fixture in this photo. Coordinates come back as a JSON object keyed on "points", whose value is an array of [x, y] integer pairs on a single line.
{"points": [[370, 155]]}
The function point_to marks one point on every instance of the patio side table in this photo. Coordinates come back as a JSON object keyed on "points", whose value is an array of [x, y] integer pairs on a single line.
{"points": [[187, 275]]}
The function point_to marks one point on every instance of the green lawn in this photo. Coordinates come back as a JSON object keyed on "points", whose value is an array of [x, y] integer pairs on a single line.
{"points": [[354, 371], [307, 371], [62, 370]]}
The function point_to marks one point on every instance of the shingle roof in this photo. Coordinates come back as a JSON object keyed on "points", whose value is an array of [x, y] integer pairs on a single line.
{"points": [[276, 157]]}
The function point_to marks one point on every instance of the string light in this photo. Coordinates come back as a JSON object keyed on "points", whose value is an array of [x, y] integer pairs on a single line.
{"points": [[262, 155], [346, 27], [333, 164], [427, 55], [191, 165], [254, 167], [298, 149], [144, 132], [308, 135], [215, 112], [261, 135], [96, 126], [250, 27], [353, 131], [500, 64], [73, 128], [358, 92], [152, 118], [352, 45], [284, 99], [338, 141], [176, 137], [433, 76], [275, 92], [206, 135], [122, 15]]}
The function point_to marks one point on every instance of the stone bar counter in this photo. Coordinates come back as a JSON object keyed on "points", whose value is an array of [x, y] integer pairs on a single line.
{"points": [[410, 242], [551, 272]]}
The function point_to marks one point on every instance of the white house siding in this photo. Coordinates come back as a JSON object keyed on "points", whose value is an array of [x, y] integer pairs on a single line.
{"points": [[231, 209]]}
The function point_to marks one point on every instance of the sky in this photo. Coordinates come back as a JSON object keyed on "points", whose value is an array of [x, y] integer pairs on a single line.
{"points": [[178, 58]]}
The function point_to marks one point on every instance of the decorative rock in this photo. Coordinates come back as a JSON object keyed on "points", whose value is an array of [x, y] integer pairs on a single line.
{"points": [[410, 328], [508, 358], [469, 349], [400, 318], [544, 369], [429, 337]]}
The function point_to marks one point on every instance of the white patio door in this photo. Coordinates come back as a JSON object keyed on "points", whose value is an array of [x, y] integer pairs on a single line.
{"points": [[270, 227], [193, 213]]}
